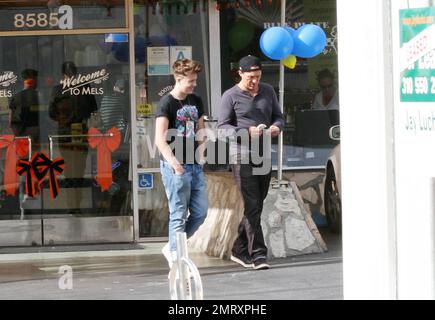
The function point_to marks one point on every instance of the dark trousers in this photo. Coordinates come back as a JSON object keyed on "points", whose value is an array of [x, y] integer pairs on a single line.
{"points": [[254, 190]]}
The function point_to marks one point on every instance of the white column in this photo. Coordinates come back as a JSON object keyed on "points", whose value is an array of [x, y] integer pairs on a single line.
{"points": [[367, 149], [215, 60], [415, 172]]}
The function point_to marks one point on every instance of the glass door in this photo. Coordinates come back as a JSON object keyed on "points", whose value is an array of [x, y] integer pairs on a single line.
{"points": [[65, 116]]}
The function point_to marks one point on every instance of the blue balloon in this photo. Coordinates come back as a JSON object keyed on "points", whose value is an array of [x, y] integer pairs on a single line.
{"points": [[276, 43], [309, 41], [291, 31]]}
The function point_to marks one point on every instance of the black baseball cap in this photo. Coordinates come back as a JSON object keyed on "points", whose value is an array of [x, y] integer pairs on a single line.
{"points": [[249, 63]]}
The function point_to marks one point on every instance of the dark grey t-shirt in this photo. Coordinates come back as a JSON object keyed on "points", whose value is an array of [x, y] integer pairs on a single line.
{"points": [[239, 110]]}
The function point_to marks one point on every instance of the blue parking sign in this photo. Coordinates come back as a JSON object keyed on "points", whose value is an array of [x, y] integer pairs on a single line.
{"points": [[145, 180]]}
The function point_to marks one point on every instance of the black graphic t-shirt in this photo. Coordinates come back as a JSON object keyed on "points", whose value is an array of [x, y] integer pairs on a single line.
{"points": [[183, 116]]}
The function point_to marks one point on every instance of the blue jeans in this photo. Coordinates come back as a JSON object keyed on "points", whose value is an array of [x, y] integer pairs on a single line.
{"points": [[186, 193]]}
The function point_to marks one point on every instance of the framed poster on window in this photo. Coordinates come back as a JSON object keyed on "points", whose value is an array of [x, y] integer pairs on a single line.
{"points": [[158, 61]]}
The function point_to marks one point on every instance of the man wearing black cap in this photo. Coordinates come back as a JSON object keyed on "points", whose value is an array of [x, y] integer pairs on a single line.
{"points": [[250, 107]]}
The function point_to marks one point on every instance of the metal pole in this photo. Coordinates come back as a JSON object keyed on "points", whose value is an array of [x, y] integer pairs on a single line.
{"points": [[51, 137], [185, 284], [281, 100], [184, 278]]}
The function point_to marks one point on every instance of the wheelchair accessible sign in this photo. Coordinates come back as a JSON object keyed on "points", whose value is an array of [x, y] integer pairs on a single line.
{"points": [[417, 55], [145, 181]]}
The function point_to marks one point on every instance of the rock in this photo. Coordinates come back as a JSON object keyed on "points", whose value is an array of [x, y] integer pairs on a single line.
{"points": [[287, 225], [217, 234]]}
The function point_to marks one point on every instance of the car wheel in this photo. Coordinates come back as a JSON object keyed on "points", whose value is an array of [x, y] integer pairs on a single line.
{"points": [[332, 202]]}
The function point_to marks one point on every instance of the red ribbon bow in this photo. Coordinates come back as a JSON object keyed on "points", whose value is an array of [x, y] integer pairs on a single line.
{"points": [[37, 169], [42, 165], [105, 144], [25, 168], [14, 147]]}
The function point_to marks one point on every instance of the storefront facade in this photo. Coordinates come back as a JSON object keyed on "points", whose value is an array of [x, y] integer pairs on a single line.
{"points": [[60, 76], [76, 76]]}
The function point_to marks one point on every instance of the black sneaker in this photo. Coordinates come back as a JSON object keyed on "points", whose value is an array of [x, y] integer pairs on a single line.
{"points": [[243, 260], [261, 264]]}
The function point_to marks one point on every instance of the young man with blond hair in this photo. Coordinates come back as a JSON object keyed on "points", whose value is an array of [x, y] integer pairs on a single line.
{"points": [[179, 117]]}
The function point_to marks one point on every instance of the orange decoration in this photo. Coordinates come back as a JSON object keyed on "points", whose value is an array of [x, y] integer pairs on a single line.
{"points": [[15, 148], [105, 145], [24, 167], [43, 166]]}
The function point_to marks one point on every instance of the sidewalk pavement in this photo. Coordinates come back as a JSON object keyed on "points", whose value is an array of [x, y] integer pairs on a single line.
{"points": [[140, 272]]}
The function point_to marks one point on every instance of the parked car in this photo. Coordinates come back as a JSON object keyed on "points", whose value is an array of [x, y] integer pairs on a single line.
{"points": [[332, 190]]}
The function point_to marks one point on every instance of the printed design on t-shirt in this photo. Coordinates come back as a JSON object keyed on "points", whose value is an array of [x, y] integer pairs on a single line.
{"points": [[187, 117]]}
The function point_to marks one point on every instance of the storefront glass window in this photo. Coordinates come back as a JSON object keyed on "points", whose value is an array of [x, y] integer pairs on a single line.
{"points": [[32, 15], [306, 133], [164, 32], [55, 90]]}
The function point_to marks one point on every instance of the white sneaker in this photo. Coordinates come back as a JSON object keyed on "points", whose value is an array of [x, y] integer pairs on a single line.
{"points": [[167, 253]]}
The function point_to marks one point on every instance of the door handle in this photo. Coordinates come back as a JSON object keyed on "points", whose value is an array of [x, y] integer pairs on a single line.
{"points": [[51, 137]]}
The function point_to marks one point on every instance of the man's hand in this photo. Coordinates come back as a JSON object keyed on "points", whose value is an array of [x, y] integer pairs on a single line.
{"points": [[178, 169], [255, 132], [274, 131]]}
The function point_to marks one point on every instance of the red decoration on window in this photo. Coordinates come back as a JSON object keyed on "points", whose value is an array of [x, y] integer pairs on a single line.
{"points": [[24, 167], [37, 170], [15, 148], [105, 144], [42, 165]]}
